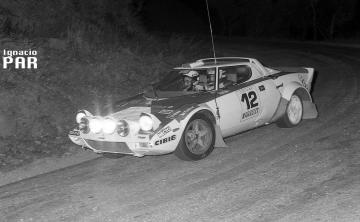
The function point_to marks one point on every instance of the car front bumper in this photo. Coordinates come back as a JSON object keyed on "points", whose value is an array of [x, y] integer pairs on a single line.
{"points": [[132, 146]]}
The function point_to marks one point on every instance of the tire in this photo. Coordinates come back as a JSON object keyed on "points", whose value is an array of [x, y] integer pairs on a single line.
{"points": [[293, 113], [193, 145]]}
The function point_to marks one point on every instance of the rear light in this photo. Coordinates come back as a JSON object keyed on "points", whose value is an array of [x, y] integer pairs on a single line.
{"points": [[123, 128]]}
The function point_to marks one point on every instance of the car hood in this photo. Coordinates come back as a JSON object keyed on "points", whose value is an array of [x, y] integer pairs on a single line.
{"points": [[131, 113], [165, 109]]}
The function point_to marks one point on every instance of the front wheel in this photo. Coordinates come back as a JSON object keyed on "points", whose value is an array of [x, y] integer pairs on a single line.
{"points": [[293, 114], [197, 140]]}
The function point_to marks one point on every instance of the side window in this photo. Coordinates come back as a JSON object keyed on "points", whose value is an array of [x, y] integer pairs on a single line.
{"points": [[243, 73], [206, 80], [234, 75]]}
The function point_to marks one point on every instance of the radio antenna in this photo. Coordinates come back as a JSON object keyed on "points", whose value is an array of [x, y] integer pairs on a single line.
{"points": [[211, 32]]}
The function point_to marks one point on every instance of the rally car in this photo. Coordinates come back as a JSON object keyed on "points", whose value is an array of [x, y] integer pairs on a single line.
{"points": [[196, 105]]}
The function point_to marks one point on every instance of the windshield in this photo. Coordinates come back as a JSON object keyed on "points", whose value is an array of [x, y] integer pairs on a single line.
{"points": [[187, 80]]}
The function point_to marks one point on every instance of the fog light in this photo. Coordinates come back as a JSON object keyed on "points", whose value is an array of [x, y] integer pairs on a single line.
{"points": [[146, 123], [123, 128], [84, 125], [109, 126], [79, 116], [95, 125]]}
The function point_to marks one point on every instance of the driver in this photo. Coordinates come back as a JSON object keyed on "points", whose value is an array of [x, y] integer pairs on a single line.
{"points": [[223, 82], [210, 83], [190, 80]]}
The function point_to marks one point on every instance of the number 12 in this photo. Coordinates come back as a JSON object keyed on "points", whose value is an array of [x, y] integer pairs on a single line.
{"points": [[250, 99]]}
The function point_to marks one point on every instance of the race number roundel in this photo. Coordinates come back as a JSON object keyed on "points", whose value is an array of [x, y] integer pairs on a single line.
{"points": [[250, 103]]}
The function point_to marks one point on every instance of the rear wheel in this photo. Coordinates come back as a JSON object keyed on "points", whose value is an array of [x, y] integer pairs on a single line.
{"points": [[293, 114], [198, 139]]}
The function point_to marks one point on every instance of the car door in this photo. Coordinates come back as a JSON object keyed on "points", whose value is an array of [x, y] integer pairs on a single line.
{"points": [[259, 100], [245, 96], [230, 110], [251, 106], [252, 103]]}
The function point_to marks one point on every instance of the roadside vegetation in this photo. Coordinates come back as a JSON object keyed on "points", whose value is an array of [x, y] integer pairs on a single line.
{"points": [[89, 53]]}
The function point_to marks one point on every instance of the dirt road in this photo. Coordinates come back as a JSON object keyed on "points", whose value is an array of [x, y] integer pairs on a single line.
{"points": [[308, 173]]}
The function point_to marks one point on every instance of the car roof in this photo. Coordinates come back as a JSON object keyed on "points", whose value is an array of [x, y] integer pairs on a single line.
{"points": [[215, 62]]}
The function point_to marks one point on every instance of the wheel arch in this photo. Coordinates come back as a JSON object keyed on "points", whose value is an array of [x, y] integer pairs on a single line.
{"points": [[293, 87], [309, 108], [209, 113]]}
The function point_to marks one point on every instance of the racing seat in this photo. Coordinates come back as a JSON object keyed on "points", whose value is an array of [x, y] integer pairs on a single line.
{"points": [[232, 77], [243, 73], [202, 79]]}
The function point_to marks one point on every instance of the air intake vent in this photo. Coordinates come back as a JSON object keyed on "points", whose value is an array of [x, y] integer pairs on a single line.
{"points": [[114, 147]]}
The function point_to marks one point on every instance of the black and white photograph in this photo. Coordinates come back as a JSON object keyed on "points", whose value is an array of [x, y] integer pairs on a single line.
{"points": [[180, 110]]}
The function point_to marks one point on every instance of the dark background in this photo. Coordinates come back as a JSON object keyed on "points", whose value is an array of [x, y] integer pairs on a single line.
{"points": [[293, 19], [290, 19]]}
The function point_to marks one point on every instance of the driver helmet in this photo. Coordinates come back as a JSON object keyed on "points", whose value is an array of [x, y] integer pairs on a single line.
{"points": [[194, 75], [194, 78]]}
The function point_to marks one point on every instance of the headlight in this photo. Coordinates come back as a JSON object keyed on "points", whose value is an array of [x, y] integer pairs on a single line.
{"points": [[95, 125], [79, 116], [146, 123], [123, 128], [84, 125], [109, 126]]}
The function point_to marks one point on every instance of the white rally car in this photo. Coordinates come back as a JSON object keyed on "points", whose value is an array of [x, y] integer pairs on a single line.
{"points": [[224, 96]]}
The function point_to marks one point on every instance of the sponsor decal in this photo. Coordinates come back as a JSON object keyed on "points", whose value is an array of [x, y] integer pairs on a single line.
{"points": [[21, 59], [165, 140], [262, 88], [250, 113], [164, 131]]}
